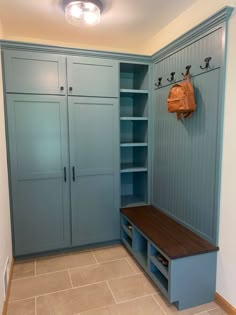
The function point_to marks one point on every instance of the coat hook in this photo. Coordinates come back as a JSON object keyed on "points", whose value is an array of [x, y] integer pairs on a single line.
{"points": [[172, 77], [159, 82], [207, 61], [187, 71]]}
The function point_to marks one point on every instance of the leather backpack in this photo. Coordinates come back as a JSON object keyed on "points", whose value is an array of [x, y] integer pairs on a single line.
{"points": [[181, 99]]}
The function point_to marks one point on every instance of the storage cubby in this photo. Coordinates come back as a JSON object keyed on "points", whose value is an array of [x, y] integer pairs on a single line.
{"points": [[127, 227], [133, 105], [126, 238], [133, 189], [133, 159], [133, 131], [158, 277], [133, 76], [159, 260], [140, 248], [134, 99]]}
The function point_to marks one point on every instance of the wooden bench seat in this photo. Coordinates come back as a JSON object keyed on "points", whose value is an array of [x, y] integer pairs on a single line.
{"points": [[172, 238], [180, 262]]}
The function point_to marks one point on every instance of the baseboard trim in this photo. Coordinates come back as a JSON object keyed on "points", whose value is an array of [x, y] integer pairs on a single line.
{"points": [[226, 306], [4, 311]]}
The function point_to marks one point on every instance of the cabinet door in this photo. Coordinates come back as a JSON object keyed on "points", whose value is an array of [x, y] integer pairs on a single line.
{"points": [[92, 77], [94, 162], [34, 73], [37, 132]]}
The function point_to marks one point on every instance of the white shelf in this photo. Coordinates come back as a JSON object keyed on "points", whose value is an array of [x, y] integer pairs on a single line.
{"points": [[132, 167], [132, 201]]}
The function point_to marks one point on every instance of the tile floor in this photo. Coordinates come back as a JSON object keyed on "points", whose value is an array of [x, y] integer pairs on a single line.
{"points": [[103, 281]]}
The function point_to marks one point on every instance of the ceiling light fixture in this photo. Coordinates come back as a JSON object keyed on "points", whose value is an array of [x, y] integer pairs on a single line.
{"points": [[82, 11]]}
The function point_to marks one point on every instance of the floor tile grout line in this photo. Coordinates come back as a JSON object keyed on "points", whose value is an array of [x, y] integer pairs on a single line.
{"points": [[94, 256], [35, 305], [111, 292], [133, 299], [208, 310], [135, 272], [14, 301], [70, 279], [162, 309], [95, 309]]}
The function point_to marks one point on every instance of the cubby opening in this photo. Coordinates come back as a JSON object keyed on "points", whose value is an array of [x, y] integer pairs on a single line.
{"points": [[140, 247], [160, 260], [133, 76], [158, 276], [127, 226], [133, 159], [132, 105], [133, 131], [133, 189], [127, 238]]}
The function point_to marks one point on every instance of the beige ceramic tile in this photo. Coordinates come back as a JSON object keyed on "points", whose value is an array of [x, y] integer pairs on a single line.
{"points": [[23, 269], [135, 265], [131, 287], [29, 287], [75, 301], [110, 253], [57, 263], [100, 272], [141, 306], [171, 309], [26, 307]]}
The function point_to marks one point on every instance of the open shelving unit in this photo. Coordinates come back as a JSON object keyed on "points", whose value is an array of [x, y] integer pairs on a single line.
{"points": [[134, 99]]}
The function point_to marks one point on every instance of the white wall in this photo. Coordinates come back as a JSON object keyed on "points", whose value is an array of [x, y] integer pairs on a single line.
{"points": [[226, 275], [5, 229], [201, 10]]}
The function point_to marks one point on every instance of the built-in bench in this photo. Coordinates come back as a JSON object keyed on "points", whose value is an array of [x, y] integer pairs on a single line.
{"points": [[180, 262]]}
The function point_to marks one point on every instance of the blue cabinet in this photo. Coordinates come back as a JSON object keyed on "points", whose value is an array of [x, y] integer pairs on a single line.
{"points": [[34, 73], [94, 77], [39, 164], [63, 152], [94, 166]]}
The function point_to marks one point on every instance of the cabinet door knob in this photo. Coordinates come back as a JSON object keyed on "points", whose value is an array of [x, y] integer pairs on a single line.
{"points": [[62, 88], [70, 89]]}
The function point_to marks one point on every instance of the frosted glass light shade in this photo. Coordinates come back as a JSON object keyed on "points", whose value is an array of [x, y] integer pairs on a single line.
{"points": [[82, 12]]}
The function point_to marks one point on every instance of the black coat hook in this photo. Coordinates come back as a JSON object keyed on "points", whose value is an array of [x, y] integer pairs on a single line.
{"points": [[159, 82], [187, 71], [172, 77], [207, 61]]}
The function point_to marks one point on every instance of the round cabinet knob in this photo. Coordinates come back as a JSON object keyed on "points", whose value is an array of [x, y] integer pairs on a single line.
{"points": [[62, 88], [70, 88]]}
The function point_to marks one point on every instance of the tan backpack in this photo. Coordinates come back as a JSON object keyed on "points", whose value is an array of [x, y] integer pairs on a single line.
{"points": [[181, 99]]}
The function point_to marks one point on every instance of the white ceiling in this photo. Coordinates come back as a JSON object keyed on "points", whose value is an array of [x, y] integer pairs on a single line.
{"points": [[125, 24]]}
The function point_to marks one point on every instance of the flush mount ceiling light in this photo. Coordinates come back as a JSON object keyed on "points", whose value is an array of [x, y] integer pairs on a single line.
{"points": [[83, 11]]}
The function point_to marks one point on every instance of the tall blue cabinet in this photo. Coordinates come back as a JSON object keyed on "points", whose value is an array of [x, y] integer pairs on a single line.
{"points": [[62, 122]]}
